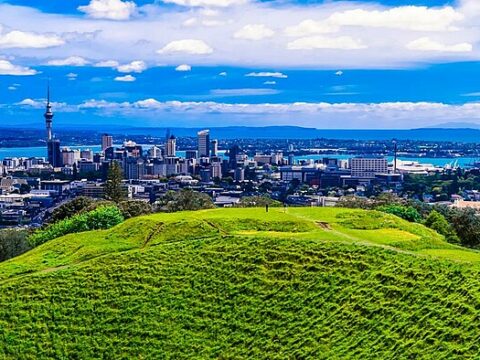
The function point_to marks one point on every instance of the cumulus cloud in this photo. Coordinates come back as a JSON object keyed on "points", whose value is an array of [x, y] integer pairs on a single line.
{"points": [[254, 32], [109, 9], [107, 64], [7, 68], [136, 66], [427, 44], [187, 46], [70, 61], [206, 3], [339, 73], [223, 73], [242, 92], [183, 67], [24, 40], [321, 42], [310, 27], [126, 78], [417, 18], [71, 76], [275, 74]]}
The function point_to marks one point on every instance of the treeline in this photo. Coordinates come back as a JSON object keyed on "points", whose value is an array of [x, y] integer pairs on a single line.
{"points": [[459, 226]]}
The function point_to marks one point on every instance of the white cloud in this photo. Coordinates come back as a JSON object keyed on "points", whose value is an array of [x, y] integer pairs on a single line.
{"points": [[417, 18], [187, 46], [223, 73], [31, 102], [183, 67], [242, 92], [277, 75], [70, 61], [136, 66], [254, 32], [126, 78], [339, 73], [321, 42], [7, 68], [270, 82], [310, 27], [427, 44], [109, 9], [206, 3], [72, 76], [24, 40], [107, 63]]}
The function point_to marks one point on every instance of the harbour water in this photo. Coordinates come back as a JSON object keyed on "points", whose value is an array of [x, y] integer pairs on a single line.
{"points": [[41, 151]]}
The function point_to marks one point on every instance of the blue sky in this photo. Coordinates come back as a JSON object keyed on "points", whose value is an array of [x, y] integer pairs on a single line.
{"points": [[323, 64]]}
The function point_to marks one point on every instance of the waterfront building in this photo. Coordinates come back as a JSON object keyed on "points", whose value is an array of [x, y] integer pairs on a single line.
{"points": [[368, 167], [203, 143], [172, 146], [107, 141]]}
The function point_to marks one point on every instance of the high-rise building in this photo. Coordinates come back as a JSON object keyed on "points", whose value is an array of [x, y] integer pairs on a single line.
{"points": [[53, 145], [107, 141], [203, 143], [214, 148], [368, 167], [172, 146], [54, 153]]}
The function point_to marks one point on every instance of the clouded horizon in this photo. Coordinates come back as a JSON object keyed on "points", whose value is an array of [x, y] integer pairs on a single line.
{"points": [[325, 64]]}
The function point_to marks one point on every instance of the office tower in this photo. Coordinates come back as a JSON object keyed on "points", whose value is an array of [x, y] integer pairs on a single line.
{"points": [[203, 143], [107, 141], [155, 152], [367, 167], [172, 146], [54, 153], [232, 156], [86, 154], [190, 154], [214, 148]]}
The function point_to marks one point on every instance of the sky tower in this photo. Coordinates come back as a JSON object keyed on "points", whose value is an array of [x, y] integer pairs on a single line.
{"points": [[48, 115]]}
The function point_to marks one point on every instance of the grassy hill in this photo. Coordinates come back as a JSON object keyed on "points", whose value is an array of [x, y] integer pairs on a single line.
{"points": [[241, 283]]}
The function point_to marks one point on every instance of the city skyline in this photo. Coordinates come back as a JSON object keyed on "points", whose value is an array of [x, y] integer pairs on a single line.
{"points": [[203, 63]]}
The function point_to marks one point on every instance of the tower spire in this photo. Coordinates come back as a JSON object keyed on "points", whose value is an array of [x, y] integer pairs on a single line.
{"points": [[48, 115]]}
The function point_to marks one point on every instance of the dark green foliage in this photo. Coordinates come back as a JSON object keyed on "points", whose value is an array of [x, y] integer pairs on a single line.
{"points": [[13, 242], [132, 208], [101, 218], [258, 201], [437, 222], [114, 189], [405, 212], [71, 208], [185, 199], [466, 223]]}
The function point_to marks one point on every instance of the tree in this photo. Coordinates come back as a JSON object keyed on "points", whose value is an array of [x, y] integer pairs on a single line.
{"points": [[114, 190], [132, 208], [437, 222], [71, 208], [13, 242], [258, 201], [185, 199], [405, 212]]}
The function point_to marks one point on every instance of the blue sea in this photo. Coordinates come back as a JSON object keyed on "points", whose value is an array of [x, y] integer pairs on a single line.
{"points": [[41, 151]]}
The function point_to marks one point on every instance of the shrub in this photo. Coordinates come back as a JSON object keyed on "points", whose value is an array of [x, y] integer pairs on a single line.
{"points": [[101, 218], [258, 201], [71, 208], [405, 212], [132, 208], [437, 222], [185, 199], [13, 242]]}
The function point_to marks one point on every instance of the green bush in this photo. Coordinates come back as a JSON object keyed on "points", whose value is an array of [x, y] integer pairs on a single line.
{"points": [[133, 208], [405, 212], [101, 218], [437, 222]]}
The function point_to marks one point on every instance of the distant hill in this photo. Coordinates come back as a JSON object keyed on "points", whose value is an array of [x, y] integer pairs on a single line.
{"points": [[455, 125], [244, 284]]}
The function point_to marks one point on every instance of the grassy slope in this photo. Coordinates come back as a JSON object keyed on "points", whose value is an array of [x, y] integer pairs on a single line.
{"points": [[309, 283]]}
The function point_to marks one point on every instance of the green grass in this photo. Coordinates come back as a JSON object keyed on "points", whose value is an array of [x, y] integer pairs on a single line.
{"points": [[311, 283]]}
